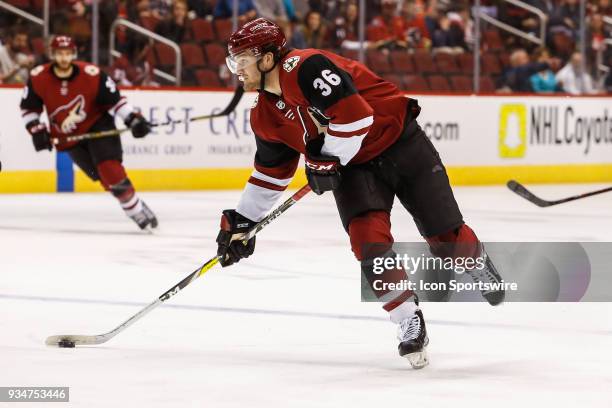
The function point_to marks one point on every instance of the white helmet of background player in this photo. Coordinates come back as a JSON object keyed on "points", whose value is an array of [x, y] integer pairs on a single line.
{"points": [[62, 51]]}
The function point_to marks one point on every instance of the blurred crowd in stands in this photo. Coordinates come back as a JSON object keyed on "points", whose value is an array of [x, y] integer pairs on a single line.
{"points": [[420, 45]]}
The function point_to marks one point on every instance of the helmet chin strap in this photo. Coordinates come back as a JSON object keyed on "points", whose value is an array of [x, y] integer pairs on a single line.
{"points": [[262, 73]]}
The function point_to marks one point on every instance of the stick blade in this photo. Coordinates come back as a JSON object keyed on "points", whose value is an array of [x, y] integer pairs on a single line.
{"points": [[76, 340], [519, 189], [513, 185]]}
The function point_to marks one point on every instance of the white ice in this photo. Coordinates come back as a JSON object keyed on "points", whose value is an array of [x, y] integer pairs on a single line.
{"points": [[284, 328]]}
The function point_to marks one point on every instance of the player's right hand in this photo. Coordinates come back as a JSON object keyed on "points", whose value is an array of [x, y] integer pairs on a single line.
{"points": [[40, 136], [230, 249], [322, 171]]}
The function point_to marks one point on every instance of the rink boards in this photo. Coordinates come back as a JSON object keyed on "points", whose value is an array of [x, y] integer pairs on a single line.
{"points": [[482, 140]]}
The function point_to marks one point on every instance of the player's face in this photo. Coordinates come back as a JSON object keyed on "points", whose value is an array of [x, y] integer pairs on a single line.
{"points": [[63, 58], [245, 66]]}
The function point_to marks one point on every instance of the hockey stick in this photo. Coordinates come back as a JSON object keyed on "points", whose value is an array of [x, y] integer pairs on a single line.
{"points": [[519, 189], [116, 132], [79, 340]]}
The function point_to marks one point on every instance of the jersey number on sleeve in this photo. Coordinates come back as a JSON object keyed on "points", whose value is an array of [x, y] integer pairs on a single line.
{"points": [[330, 79]]}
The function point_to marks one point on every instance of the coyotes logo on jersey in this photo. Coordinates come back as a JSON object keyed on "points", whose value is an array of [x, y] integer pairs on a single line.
{"points": [[75, 104], [66, 118]]}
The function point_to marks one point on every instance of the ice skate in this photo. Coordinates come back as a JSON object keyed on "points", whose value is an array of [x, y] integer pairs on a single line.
{"points": [[143, 217], [490, 275], [412, 335]]}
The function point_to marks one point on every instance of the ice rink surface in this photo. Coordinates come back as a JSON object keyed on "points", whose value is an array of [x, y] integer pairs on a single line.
{"points": [[286, 327]]}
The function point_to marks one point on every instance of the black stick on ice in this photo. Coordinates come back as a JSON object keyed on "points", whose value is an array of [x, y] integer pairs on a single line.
{"points": [[71, 340], [519, 189]]}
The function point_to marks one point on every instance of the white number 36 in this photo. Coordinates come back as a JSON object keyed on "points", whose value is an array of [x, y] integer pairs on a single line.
{"points": [[330, 78]]}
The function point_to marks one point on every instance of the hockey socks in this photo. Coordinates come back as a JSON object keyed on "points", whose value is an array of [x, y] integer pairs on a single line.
{"points": [[463, 242], [115, 180]]}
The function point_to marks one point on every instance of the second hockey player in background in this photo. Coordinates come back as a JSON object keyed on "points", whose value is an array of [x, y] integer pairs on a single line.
{"points": [[78, 97]]}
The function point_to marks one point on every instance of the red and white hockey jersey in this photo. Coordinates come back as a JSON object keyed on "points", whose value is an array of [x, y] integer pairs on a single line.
{"points": [[365, 115], [86, 101]]}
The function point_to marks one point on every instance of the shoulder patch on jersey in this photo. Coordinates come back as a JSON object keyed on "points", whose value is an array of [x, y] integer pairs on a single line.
{"points": [[37, 70], [91, 70], [291, 63]]}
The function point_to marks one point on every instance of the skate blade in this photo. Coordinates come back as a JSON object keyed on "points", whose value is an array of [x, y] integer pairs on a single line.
{"points": [[149, 231], [494, 298], [418, 360]]}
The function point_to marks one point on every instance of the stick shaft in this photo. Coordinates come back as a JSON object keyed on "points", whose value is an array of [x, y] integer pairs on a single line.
{"points": [[167, 295], [98, 339], [92, 135], [255, 230], [116, 132], [521, 190], [584, 195], [228, 109]]}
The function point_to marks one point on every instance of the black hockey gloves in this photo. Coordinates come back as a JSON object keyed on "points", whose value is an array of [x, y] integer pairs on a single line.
{"points": [[40, 135], [322, 171], [229, 248], [138, 125]]}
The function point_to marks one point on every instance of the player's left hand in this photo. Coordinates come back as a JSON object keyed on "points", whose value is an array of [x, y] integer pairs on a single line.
{"points": [[322, 172], [138, 125], [40, 136], [229, 249]]}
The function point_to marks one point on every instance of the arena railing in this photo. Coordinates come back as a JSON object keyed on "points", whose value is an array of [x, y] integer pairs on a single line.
{"points": [[541, 40], [43, 22], [178, 65], [602, 66]]}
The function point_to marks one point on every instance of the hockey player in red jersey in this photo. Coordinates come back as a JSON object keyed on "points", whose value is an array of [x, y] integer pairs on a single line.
{"points": [[79, 98], [361, 140]]}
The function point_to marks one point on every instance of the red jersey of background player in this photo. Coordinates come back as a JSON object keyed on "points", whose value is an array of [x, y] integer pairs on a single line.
{"points": [[86, 101], [364, 116]]}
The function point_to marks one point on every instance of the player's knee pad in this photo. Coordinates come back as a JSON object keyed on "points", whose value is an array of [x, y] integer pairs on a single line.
{"points": [[459, 242], [370, 234]]}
